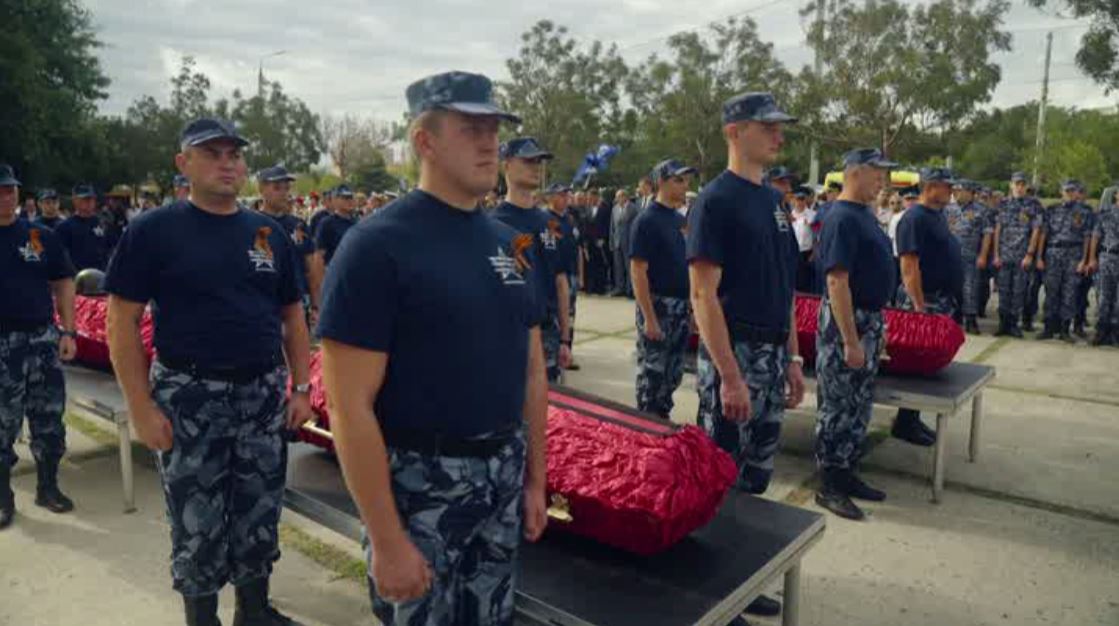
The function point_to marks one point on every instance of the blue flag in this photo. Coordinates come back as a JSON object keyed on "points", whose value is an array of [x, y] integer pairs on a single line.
{"points": [[595, 162]]}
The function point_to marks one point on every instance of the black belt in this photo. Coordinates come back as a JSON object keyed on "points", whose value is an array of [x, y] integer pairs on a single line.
{"points": [[740, 331], [1065, 244], [434, 444], [21, 326], [240, 374]]}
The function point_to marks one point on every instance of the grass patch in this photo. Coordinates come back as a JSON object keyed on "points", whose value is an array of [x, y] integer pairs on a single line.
{"points": [[90, 429], [990, 350], [332, 558]]}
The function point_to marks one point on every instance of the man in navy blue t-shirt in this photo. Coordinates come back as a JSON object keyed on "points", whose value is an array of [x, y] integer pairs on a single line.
{"points": [[434, 369], [48, 209], [931, 273], [35, 282], [275, 191], [742, 272], [857, 259], [524, 170], [659, 271], [83, 234], [334, 226], [225, 304], [562, 229]]}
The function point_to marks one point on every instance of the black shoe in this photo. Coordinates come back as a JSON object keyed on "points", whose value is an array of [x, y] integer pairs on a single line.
{"points": [[574, 367], [1078, 330], [1014, 331], [1028, 324], [254, 609], [1064, 335], [859, 490], [1103, 336], [7, 498], [764, 606], [912, 430], [1003, 330], [839, 504], [47, 494], [1048, 332], [970, 325], [739, 621], [201, 610]]}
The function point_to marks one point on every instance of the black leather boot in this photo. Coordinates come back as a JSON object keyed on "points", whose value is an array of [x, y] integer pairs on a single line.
{"points": [[1103, 335], [47, 494], [1004, 327], [1064, 334], [254, 609], [7, 498], [1012, 329], [201, 610], [1078, 329], [970, 325], [1048, 331], [909, 428], [1028, 324], [832, 496], [765, 606], [859, 490]]}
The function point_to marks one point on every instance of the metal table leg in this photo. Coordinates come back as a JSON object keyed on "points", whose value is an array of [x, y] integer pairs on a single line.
{"points": [[125, 438], [938, 459], [791, 614], [976, 420]]}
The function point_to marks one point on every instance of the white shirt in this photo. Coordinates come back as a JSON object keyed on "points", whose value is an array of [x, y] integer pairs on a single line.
{"points": [[894, 221], [802, 228]]}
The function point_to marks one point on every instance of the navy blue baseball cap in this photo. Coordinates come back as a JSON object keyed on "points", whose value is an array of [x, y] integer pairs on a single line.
{"points": [[7, 176], [206, 129], [1072, 185], [802, 192], [937, 175], [836, 185], [180, 181], [274, 174], [910, 192], [342, 191], [83, 190], [524, 148], [754, 106], [968, 185], [1018, 176], [672, 167], [872, 157], [555, 188], [48, 194], [470, 94], [780, 172]]}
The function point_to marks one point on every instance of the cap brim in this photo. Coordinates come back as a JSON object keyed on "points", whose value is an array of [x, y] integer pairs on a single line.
{"points": [[684, 171], [884, 165], [540, 154], [479, 108], [776, 116], [85, 195], [236, 139], [289, 178], [9, 182]]}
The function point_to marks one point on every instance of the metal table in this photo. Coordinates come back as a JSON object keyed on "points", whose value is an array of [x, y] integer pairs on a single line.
{"points": [[943, 393], [92, 392], [708, 578]]}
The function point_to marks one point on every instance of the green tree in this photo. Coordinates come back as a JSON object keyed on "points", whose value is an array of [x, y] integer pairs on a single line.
{"points": [[1098, 55], [280, 127]]}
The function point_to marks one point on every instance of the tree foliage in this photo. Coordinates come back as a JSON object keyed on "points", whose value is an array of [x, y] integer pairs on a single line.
{"points": [[1098, 56]]}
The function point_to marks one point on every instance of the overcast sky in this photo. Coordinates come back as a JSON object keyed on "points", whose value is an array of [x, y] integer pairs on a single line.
{"points": [[358, 56]]}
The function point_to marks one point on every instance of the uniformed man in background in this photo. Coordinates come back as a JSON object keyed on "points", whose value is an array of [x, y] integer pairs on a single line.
{"points": [[334, 226], [275, 191], [83, 234], [970, 223], [48, 209], [1065, 245], [1105, 260], [1017, 230], [561, 227]]}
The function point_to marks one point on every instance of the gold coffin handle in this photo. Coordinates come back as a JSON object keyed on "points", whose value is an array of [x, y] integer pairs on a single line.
{"points": [[560, 509], [312, 426]]}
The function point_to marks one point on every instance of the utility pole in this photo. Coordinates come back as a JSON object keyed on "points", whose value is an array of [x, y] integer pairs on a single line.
{"points": [[260, 70], [1041, 111], [814, 158]]}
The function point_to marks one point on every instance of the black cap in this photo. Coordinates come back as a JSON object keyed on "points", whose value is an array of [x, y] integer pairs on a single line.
{"points": [[937, 175], [671, 167], [342, 191], [836, 185], [180, 181], [48, 194], [1018, 176], [7, 176], [967, 185], [207, 129], [780, 172], [868, 156], [555, 188], [276, 173], [1072, 185], [756, 106], [802, 192], [523, 148], [83, 190], [910, 192], [470, 94]]}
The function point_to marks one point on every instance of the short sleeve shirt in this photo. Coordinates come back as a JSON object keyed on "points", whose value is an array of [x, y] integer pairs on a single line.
{"points": [[303, 245], [739, 225], [31, 257], [925, 232], [330, 233], [217, 283], [852, 240], [658, 239], [1068, 223], [533, 223], [562, 229], [87, 240], [449, 297]]}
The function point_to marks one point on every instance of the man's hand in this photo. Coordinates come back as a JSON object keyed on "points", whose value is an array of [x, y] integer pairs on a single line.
{"points": [[794, 393], [536, 512], [1040, 264], [653, 330], [1082, 268], [299, 410], [67, 348], [400, 572], [565, 356], [854, 355], [1027, 262], [1093, 266], [998, 263], [154, 429], [735, 397], [981, 263]]}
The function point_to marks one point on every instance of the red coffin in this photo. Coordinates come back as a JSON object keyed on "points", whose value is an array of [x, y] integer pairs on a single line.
{"points": [[318, 405], [91, 322], [917, 343]]}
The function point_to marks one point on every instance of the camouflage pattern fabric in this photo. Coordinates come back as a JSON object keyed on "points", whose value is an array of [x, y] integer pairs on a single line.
{"points": [[1067, 226], [970, 224], [1017, 217], [845, 396], [660, 364], [223, 479], [550, 337], [32, 385], [1107, 230], [753, 443], [465, 516]]}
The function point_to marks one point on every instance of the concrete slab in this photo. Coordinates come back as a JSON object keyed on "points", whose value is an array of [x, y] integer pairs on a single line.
{"points": [[970, 561], [603, 315], [1046, 367], [77, 445]]}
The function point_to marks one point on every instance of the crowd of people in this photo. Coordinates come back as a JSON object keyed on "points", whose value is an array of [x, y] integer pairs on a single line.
{"points": [[444, 313]]}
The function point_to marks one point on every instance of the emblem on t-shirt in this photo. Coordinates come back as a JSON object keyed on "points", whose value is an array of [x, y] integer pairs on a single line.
{"points": [[32, 251], [555, 233], [1024, 217], [99, 231], [1077, 219], [781, 219], [261, 253], [298, 236], [507, 268], [521, 244]]}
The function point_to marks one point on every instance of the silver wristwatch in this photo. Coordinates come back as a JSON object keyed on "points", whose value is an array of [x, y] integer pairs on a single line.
{"points": [[304, 388]]}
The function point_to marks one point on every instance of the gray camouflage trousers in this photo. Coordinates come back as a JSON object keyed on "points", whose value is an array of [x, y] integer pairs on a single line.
{"points": [[844, 396], [551, 340], [223, 478], [465, 516], [660, 364], [972, 278], [32, 385], [753, 443], [1013, 282], [1109, 291], [1062, 283]]}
